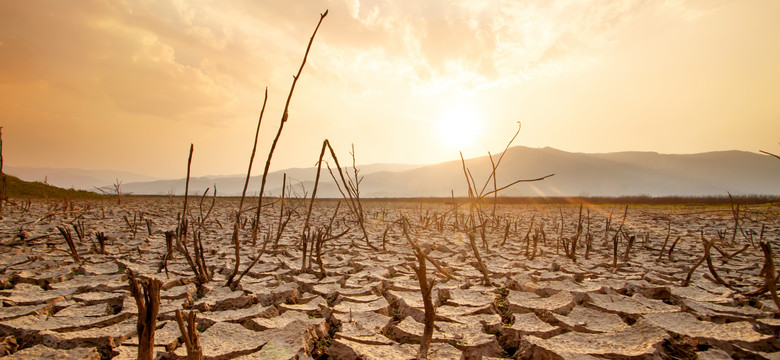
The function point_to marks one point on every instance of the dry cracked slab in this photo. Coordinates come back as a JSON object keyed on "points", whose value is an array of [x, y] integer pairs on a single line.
{"points": [[101, 268], [112, 335], [367, 320], [490, 323], [276, 322], [222, 298], [551, 287], [731, 313], [641, 339], [294, 341], [409, 303], [453, 313], [364, 334], [699, 294], [347, 349], [468, 297], [49, 276], [523, 301], [92, 298], [331, 290], [587, 320], [179, 292], [470, 339], [88, 283], [377, 304], [351, 350], [237, 315], [713, 354], [100, 309], [634, 305], [312, 307], [35, 297], [530, 324], [167, 336], [688, 325], [227, 340], [284, 293], [42, 352], [34, 323], [10, 312]]}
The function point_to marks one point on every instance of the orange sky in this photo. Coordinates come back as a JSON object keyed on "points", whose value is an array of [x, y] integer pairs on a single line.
{"points": [[129, 85]]}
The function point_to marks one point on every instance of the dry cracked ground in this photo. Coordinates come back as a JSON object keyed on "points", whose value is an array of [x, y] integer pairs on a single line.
{"points": [[539, 303]]}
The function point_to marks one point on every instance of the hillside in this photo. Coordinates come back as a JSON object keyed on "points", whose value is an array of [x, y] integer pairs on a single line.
{"points": [[576, 174], [20, 189], [75, 178]]}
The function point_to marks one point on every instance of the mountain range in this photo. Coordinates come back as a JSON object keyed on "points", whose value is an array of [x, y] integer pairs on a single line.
{"points": [[576, 174]]}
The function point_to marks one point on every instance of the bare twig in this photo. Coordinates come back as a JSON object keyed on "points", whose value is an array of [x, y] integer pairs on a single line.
{"points": [[769, 274], [425, 290], [236, 242], [283, 120]]}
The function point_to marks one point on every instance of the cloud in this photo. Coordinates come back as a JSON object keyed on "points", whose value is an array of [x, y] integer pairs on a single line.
{"points": [[180, 61], [173, 64]]}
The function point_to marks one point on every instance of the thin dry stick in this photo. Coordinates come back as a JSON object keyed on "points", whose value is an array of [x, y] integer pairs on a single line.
{"points": [[353, 195], [304, 234], [282, 223], [527, 234], [710, 266], [671, 248], [506, 232], [768, 153], [433, 261], [425, 290], [616, 238], [495, 186], [69, 240], [707, 245], [317, 239], [285, 115], [588, 238], [4, 189], [101, 239], [236, 240], [735, 213], [284, 120], [492, 174], [769, 274], [738, 251], [190, 335], [482, 267], [627, 255], [183, 219], [668, 234], [560, 237], [576, 238], [515, 183]]}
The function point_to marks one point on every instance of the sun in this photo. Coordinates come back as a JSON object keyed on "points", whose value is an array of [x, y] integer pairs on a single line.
{"points": [[459, 126]]}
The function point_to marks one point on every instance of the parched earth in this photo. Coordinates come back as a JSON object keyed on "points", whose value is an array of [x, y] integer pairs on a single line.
{"points": [[539, 303]]}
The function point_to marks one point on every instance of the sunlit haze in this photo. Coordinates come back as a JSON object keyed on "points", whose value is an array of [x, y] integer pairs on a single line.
{"points": [[129, 85]]}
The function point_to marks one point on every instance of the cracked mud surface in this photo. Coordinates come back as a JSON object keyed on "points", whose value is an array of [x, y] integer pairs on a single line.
{"points": [[540, 304]]}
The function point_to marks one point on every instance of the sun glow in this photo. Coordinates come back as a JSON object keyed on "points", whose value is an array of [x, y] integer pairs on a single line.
{"points": [[458, 126]]}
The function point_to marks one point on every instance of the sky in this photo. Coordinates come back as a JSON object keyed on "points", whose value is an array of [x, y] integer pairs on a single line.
{"points": [[128, 85]]}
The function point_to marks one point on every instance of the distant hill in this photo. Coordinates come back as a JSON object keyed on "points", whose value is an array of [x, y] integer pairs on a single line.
{"points": [[75, 178], [234, 184], [20, 189], [576, 174]]}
